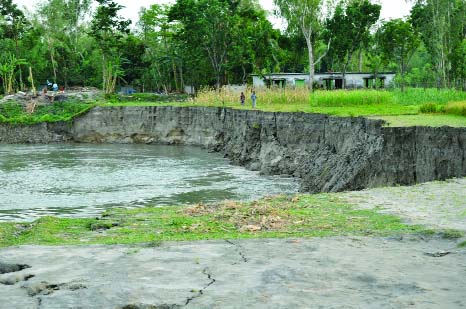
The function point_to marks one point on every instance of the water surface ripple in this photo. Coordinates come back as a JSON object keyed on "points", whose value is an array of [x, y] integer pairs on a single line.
{"points": [[80, 180]]}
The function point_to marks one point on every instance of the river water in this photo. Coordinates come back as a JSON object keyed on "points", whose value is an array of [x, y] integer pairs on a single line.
{"points": [[80, 180]]}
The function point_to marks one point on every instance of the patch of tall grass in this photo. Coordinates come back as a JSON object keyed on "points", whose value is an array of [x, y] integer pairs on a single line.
{"points": [[430, 108], [275, 96], [351, 97], [266, 96], [420, 96], [364, 102], [456, 108]]}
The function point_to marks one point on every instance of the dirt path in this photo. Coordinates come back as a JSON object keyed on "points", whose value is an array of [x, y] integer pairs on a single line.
{"points": [[310, 273], [435, 204]]}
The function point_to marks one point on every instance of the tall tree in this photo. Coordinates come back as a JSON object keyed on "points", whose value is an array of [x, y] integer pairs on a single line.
{"points": [[306, 16], [108, 28], [349, 29], [12, 26], [441, 24], [398, 41], [207, 24]]}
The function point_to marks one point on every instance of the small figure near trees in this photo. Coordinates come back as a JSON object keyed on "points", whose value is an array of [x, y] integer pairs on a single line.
{"points": [[253, 98], [242, 98]]}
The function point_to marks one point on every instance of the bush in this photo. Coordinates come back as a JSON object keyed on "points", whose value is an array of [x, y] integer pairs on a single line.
{"points": [[151, 97], [429, 108], [456, 108], [59, 111]]}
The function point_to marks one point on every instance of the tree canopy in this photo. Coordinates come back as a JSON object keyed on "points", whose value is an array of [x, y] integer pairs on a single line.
{"points": [[210, 43]]}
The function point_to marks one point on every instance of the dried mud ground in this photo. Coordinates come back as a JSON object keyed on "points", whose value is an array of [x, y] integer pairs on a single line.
{"points": [[337, 272]]}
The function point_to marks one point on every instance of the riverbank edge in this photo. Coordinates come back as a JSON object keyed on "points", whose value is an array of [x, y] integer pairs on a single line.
{"points": [[327, 153], [298, 216]]}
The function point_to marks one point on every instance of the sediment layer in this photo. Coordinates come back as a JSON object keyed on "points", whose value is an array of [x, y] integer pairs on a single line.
{"points": [[327, 153]]}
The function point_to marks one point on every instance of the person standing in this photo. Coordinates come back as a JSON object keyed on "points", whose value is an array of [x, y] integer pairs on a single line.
{"points": [[253, 99], [242, 98]]}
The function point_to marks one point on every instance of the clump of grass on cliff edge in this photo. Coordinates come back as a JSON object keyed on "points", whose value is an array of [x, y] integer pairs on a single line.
{"points": [[281, 216], [15, 113]]}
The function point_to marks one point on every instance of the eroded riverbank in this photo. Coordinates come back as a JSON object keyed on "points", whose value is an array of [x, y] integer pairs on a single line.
{"points": [[327, 153]]}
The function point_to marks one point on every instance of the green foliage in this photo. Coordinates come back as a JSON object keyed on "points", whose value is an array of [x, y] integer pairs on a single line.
{"points": [[398, 108], [451, 234], [302, 216], [455, 108], [351, 98], [152, 97], [349, 29], [429, 108], [398, 41], [441, 24], [60, 111]]}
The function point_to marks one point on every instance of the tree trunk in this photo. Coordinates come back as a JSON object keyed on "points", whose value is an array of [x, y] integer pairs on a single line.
{"points": [[175, 75], [104, 73], [360, 60], [311, 63], [181, 77]]}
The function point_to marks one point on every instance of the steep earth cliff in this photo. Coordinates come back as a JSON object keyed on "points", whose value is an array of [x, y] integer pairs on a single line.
{"points": [[327, 153]]}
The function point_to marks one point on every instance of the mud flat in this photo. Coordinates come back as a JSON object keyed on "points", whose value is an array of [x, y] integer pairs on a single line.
{"points": [[440, 205], [411, 270], [292, 273]]}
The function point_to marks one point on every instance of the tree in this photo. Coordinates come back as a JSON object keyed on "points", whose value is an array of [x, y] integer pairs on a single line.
{"points": [[398, 41], [441, 25], [349, 29], [305, 16], [108, 29], [8, 65], [12, 26], [162, 50], [207, 24]]}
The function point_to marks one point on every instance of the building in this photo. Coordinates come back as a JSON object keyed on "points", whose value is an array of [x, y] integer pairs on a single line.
{"points": [[333, 80]]}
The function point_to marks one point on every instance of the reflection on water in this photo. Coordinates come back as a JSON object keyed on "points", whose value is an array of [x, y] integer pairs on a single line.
{"points": [[83, 180]]}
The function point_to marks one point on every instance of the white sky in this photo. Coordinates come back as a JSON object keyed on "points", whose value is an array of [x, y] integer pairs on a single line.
{"points": [[390, 8]]}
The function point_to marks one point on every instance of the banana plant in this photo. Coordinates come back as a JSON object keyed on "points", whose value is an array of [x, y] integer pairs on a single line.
{"points": [[8, 67]]}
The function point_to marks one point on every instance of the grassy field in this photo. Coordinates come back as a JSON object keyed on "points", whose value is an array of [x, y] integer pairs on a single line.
{"points": [[281, 216], [404, 108]]}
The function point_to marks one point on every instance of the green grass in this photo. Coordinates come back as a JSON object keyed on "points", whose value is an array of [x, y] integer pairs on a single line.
{"points": [[431, 120], [456, 108], [147, 97], [413, 107], [14, 113], [301, 216]]}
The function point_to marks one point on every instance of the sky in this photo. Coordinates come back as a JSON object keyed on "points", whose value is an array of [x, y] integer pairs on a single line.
{"points": [[390, 8]]}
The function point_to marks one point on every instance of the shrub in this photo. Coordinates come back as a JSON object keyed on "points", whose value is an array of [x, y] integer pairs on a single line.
{"points": [[429, 108], [58, 111], [456, 108]]}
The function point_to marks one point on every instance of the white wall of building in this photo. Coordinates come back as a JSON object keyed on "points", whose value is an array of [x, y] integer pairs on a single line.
{"points": [[353, 80]]}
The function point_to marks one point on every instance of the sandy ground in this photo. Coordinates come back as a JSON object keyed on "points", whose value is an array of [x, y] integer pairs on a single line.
{"points": [[301, 273], [435, 204]]}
